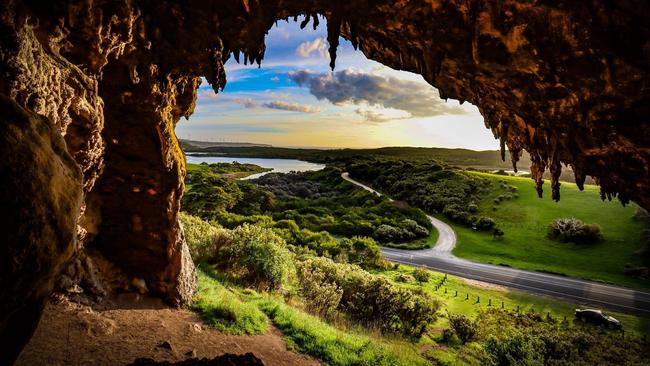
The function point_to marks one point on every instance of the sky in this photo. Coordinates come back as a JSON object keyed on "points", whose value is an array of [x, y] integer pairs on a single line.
{"points": [[295, 100]]}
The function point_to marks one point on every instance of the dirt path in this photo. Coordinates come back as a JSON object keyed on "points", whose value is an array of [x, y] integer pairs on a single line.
{"points": [[73, 334]]}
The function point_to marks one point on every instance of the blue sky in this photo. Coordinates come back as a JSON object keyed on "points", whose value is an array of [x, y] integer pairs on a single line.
{"points": [[295, 100]]}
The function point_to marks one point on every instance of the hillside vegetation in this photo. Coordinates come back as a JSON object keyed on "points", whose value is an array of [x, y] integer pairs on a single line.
{"points": [[500, 219], [526, 243]]}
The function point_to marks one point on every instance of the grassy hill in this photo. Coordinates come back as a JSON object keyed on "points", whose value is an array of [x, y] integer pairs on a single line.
{"points": [[525, 244]]}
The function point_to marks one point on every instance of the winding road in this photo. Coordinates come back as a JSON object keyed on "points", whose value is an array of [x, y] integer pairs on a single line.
{"points": [[440, 258]]}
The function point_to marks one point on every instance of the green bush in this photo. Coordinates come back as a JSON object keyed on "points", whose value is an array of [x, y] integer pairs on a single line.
{"points": [[202, 238], [465, 329], [516, 349], [574, 230], [421, 275], [404, 278], [259, 254], [511, 338], [374, 300], [362, 251], [324, 295], [485, 223]]}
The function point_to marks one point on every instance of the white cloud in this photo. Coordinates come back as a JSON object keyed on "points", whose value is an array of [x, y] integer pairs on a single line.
{"points": [[371, 114], [246, 102], [318, 48], [349, 87], [289, 106]]}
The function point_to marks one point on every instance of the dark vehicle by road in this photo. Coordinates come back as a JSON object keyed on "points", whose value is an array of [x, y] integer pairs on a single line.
{"points": [[597, 317]]}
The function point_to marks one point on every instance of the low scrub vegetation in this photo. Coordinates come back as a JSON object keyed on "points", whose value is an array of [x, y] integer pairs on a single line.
{"points": [[273, 251], [315, 202], [510, 338], [574, 231], [203, 238], [371, 300], [259, 255], [431, 187]]}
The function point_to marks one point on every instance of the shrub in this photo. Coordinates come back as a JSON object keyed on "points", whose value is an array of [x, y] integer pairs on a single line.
{"points": [[324, 296], [202, 238], [574, 230], [373, 300], [310, 335], [363, 251], [387, 233], [516, 349], [421, 275], [485, 223], [403, 277], [465, 329], [259, 254], [644, 250]]}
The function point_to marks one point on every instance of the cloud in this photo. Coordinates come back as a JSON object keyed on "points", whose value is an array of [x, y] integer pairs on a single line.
{"points": [[416, 98], [381, 114], [318, 47], [246, 102], [288, 106], [275, 79]]}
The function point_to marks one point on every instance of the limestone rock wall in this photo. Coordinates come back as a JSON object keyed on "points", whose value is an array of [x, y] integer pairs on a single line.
{"points": [[41, 197]]}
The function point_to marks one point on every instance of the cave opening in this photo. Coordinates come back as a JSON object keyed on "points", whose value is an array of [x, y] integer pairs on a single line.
{"points": [[294, 99], [99, 86]]}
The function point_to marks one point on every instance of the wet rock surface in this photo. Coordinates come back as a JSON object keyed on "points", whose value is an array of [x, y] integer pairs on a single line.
{"points": [[566, 81]]}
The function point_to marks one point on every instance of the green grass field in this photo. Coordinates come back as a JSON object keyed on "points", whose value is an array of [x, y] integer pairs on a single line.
{"points": [[460, 296], [525, 244], [484, 296], [234, 309]]}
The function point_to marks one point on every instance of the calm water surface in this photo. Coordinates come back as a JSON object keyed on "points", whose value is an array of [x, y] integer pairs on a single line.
{"points": [[278, 165]]}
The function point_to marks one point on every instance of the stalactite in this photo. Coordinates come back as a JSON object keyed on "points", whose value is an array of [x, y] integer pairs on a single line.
{"points": [[333, 33], [304, 23], [555, 169]]}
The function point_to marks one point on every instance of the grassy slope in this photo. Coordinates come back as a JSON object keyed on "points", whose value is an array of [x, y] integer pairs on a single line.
{"points": [[223, 309], [525, 245], [236, 310], [342, 345], [459, 304]]}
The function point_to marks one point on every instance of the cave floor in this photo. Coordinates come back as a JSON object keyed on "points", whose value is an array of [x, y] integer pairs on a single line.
{"points": [[119, 332]]}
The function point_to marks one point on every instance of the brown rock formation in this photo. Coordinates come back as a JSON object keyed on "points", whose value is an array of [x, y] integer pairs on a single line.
{"points": [[41, 196], [566, 81]]}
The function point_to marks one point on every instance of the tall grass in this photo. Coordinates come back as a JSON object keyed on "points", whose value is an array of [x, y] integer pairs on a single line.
{"points": [[224, 310], [308, 334]]}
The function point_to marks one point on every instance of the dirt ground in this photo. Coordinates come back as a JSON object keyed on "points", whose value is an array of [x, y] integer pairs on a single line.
{"points": [[119, 332]]}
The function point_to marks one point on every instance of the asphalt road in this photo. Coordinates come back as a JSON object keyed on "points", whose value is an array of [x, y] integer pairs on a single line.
{"points": [[588, 293]]}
